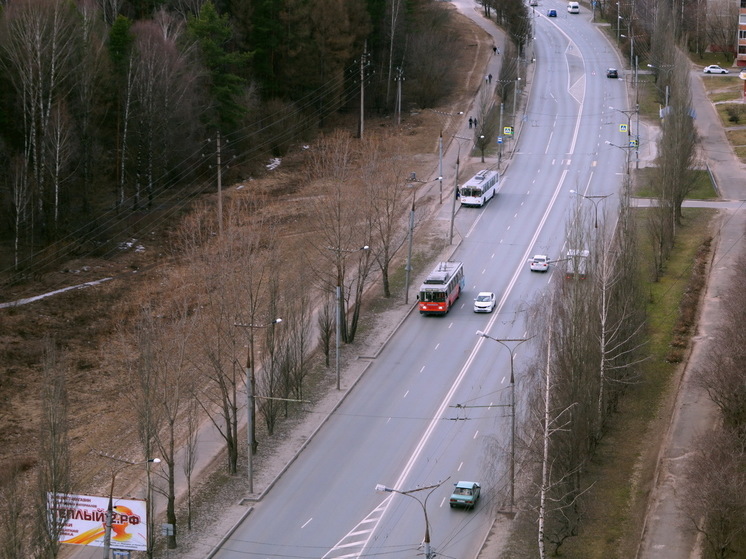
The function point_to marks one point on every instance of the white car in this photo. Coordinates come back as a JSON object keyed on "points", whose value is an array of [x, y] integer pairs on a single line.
{"points": [[715, 69], [539, 263], [485, 302]]}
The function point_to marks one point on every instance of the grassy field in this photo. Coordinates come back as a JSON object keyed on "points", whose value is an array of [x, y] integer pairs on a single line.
{"points": [[702, 188]]}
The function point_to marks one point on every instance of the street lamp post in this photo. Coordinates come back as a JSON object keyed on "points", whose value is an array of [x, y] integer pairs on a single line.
{"points": [[110, 507], [511, 348], [423, 503], [595, 199], [626, 150], [251, 401]]}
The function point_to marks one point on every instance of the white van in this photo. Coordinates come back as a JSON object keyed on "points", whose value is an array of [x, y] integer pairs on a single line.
{"points": [[573, 7]]}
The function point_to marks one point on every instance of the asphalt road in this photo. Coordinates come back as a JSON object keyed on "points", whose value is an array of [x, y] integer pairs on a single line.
{"points": [[399, 426]]}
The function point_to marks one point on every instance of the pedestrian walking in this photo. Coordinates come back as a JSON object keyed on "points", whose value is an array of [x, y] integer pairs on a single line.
{"points": [[494, 49], [490, 78], [471, 121], [475, 122], [486, 79]]}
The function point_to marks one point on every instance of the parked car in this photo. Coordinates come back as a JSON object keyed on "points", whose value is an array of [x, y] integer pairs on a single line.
{"points": [[612, 73], [539, 263], [485, 302], [465, 494], [715, 69], [551, 13]]}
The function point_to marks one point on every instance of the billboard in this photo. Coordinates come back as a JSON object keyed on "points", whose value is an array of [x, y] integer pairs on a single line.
{"points": [[82, 520]]}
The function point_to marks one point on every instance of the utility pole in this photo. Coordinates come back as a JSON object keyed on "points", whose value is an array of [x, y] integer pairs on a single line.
{"points": [[399, 78], [363, 60], [500, 151], [220, 188]]}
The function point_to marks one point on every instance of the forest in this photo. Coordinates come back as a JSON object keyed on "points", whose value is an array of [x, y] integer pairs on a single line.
{"points": [[107, 107]]}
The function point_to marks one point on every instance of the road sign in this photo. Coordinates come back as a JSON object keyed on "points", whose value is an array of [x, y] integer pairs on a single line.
{"points": [[623, 128], [633, 143], [499, 139], [508, 130]]}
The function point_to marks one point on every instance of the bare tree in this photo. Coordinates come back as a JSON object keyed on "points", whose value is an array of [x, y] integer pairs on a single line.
{"points": [[299, 343], [384, 177], [344, 229], [325, 322], [192, 422], [55, 468], [19, 184], [721, 375], [678, 142], [721, 27], [715, 497], [61, 146], [621, 316], [13, 525], [488, 119], [171, 336]]}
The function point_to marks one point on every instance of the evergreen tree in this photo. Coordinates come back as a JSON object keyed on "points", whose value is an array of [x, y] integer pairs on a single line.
{"points": [[227, 69]]}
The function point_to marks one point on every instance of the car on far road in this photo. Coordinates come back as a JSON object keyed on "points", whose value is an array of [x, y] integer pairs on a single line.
{"points": [[485, 302], [612, 73], [539, 263], [551, 13], [465, 494], [715, 69]]}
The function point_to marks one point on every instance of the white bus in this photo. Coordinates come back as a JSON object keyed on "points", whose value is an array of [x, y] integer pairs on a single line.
{"points": [[480, 188]]}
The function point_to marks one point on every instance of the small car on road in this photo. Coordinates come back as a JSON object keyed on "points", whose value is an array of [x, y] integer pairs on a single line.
{"points": [[465, 494], [539, 263], [485, 302], [551, 13], [715, 69], [612, 73]]}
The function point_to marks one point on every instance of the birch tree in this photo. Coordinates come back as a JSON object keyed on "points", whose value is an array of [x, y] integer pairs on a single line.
{"points": [[37, 42]]}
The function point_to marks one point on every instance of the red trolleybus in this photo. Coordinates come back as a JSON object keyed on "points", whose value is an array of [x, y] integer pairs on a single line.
{"points": [[441, 288]]}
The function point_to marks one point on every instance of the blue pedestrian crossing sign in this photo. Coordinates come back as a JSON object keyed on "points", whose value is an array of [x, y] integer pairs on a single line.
{"points": [[623, 128], [633, 143], [508, 130]]}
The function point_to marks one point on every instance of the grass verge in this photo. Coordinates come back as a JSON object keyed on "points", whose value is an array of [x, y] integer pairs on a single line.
{"points": [[622, 471], [702, 188], [624, 467]]}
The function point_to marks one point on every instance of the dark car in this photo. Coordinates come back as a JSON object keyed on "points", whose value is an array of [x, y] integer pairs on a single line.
{"points": [[612, 73], [551, 13]]}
